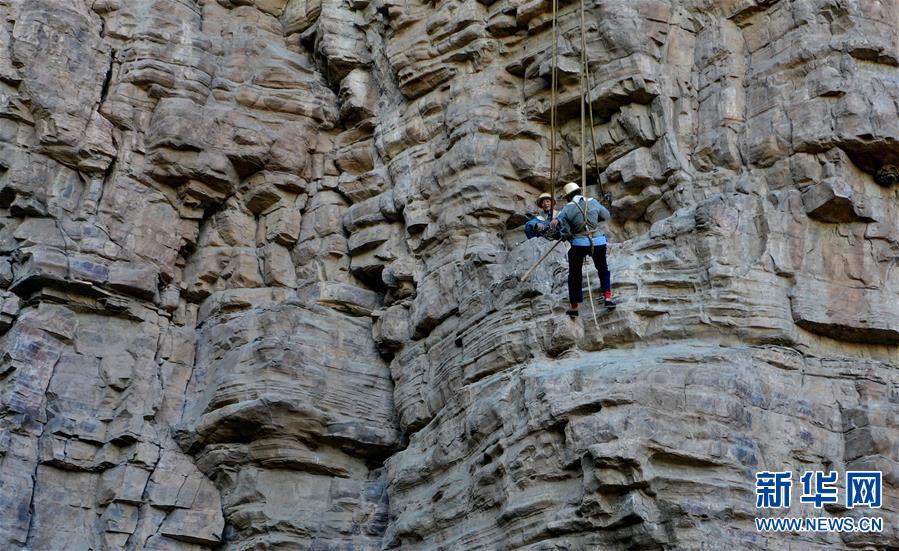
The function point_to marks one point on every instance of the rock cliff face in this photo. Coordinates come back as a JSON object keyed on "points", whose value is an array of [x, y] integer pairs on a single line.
{"points": [[260, 264]]}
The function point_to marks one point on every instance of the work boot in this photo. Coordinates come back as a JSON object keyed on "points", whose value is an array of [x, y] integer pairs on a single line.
{"points": [[609, 304], [572, 313]]}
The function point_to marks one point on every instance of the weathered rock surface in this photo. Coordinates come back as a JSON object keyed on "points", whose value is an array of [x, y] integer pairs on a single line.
{"points": [[259, 284]]}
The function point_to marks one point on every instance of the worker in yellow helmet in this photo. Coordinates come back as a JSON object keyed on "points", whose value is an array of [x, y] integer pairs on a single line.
{"points": [[539, 224], [578, 223]]}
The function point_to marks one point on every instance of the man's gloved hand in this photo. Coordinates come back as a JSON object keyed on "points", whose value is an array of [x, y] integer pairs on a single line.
{"points": [[540, 227], [554, 224]]}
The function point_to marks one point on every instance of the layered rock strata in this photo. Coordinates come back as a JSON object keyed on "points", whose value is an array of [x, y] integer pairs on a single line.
{"points": [[261, 268]]}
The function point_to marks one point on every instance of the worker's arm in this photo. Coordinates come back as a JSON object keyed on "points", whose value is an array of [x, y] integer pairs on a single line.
{"points": [[534, 228], [563, 225]]}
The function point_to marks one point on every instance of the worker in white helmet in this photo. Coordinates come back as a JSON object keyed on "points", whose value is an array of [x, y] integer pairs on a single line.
{"points": [[578, 223]]}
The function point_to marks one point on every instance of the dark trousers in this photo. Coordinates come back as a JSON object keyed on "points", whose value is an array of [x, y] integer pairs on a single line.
{"points": [[576, 256]]}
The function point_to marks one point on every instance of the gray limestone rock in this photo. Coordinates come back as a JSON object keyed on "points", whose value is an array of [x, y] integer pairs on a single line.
{"points": [[261, 268]]}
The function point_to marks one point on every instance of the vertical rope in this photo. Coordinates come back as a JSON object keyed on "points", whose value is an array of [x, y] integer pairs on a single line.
{"points": [[583, 99], [586, 100], [590, 293], [593, 133], [552, 108]]}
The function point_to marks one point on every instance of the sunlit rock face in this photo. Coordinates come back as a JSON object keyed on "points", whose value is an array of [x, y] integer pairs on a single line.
{"points": [[261, 267]]}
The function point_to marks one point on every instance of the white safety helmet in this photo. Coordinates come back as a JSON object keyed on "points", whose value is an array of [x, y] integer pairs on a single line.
{"points": [[570, 188]]}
